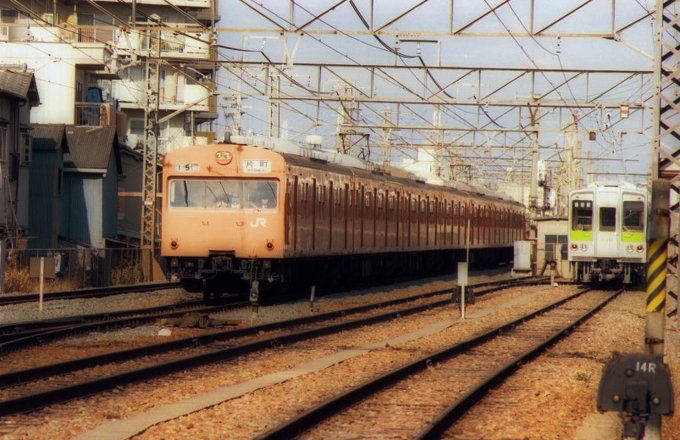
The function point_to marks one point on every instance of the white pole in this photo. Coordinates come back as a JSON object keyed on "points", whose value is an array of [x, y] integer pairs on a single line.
{"points": [[42, 280], [311, 299], [462, 283]]}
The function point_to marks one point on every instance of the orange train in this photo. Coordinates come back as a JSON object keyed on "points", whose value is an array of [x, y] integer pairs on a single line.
{"points": [[242, 218]]}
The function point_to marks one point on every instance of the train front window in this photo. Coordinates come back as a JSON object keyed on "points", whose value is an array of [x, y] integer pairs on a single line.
{"points": [[607, 219], [633, 216], [582, 215], [223, 193]]}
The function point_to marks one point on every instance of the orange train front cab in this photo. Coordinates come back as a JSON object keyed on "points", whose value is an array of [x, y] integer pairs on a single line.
{"points": [[222, 216]]}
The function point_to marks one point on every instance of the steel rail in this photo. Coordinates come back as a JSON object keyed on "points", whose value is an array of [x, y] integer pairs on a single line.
{"points": [[92, 292], [79, 390], [341, 402], [16, 336]]}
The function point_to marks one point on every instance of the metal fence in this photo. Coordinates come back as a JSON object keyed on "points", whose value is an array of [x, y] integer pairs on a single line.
{"points": [[78, 267]]}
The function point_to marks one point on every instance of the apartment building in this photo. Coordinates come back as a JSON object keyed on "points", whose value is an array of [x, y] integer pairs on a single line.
{"points": [[90, 63], [89, 60]]}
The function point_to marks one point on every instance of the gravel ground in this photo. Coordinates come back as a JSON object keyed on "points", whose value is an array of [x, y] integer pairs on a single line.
{"points": [[558, 401], [17, 313]]}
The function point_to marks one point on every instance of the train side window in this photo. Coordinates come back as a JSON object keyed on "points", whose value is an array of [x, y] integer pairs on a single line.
{"points": [[607, 219], [633, 216], [582, 215]]}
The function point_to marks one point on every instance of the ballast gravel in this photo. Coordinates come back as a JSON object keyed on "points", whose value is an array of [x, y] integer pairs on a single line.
{"points": [[557, 397]]}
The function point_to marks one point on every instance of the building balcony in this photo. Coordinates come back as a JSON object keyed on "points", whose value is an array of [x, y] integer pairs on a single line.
{"points": [[185, 97], [178, 3], [32, 32], [182, 43], [100, 114], [95, 114]]}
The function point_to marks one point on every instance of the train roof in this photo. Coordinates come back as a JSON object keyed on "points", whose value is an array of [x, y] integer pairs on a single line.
{"points": [[625, 185], [324, 158]]}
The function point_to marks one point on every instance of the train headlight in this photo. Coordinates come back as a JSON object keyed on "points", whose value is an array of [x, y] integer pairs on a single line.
{"points": [[630, 248], [574, 247], [640, 248], [174, 244], [270, 246], [584, 247]]}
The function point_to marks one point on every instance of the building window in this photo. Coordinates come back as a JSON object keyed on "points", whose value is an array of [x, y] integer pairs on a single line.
{"points": [[137, 126], [3, 143], [8, 16], [26, 150]]}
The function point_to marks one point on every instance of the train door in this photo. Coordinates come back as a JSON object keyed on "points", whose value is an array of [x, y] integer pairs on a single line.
{"points": [[422, 221], [395, 218], [323, 219], [429, 211], [381, 219], [303, 233], [633, 226], [377, 208], [347, 213], [456, 222], [331, 215], [292, 212], [313, 205], [391, 225], [358, 217], [606, 215]]}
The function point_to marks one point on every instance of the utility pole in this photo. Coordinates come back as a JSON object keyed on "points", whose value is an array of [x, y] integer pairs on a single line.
{"points": [[274, 82], [533, 185], [386, 132], [150, 155]]}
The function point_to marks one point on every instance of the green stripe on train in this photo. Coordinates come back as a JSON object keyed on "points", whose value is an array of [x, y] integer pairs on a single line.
{"points": [[581, 236], [628, 237], [634, 237]]}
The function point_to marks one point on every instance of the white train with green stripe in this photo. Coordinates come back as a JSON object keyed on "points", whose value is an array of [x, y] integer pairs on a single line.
{"points": [[607, 233]]}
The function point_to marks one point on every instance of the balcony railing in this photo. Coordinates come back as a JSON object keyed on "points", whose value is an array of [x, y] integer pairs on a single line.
{"points": [[181, 43], [33, 32], [180, 3], [95, 114]]}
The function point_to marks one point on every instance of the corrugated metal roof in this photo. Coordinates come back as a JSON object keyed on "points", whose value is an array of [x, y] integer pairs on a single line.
{"points": [[49, 137], [19, 84], [91, 147]]}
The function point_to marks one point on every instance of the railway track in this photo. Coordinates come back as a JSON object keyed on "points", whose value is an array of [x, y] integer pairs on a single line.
{"points": [[16, 336], [28, 390], [24, 334], [424, 398], [95, 292]]}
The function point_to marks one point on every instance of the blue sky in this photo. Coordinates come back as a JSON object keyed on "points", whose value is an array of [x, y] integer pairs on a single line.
{"points": [[622, 145]]}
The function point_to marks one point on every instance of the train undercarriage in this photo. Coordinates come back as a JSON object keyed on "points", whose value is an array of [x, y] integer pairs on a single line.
{"points": [[261, 279], [604, 270]]}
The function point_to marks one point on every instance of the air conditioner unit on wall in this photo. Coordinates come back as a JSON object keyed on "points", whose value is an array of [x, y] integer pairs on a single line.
{"points": [[4, 33], [48, 18]]}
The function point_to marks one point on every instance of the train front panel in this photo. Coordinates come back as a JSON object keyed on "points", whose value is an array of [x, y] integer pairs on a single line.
{"points": [[222, 217], [607, 232]]}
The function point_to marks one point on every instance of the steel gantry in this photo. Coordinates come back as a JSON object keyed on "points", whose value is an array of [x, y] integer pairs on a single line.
{"points": [[500, 82]]}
